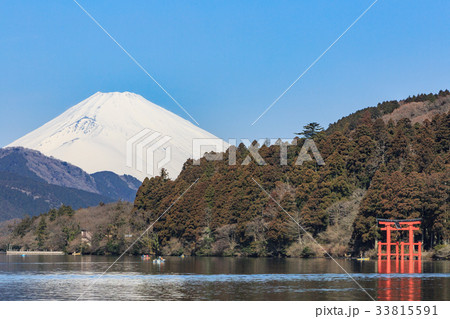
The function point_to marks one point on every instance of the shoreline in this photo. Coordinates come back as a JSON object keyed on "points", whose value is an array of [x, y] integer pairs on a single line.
{"points": [[35, 253]]}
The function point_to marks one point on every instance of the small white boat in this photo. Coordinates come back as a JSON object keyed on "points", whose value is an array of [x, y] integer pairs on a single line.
{"points": [[159, 260]]}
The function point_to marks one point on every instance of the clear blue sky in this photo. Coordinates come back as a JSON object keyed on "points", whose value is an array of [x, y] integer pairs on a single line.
{"points": [[224, 61]]}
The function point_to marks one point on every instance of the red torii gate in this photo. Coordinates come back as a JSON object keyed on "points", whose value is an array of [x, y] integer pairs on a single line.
{"points": [[391, 288], [400, 225]]}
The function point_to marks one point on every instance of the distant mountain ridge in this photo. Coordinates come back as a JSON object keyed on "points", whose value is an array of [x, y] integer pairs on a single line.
{"points": [[32, 183], [34, 164], [114, 186], [20, 196]]}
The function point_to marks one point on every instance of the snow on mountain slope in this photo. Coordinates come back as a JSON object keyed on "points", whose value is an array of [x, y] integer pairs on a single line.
{"points": [[93, 134]]}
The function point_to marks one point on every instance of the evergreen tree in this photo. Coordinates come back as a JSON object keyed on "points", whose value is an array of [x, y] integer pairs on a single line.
{"points": [[310, 130], [41, 232]]}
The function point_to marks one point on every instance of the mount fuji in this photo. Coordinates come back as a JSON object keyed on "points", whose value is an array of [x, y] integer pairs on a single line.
{"points": [[93, 135]]}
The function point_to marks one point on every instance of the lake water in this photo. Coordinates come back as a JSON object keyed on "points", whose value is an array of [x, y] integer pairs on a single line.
{"points": [[213, 278]]}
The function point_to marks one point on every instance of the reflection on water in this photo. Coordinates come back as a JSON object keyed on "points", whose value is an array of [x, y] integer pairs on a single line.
{"points": [[400, 288], [211, 278]]}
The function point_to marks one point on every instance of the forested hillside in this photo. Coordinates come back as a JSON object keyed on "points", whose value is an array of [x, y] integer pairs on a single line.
{"points": [[403, 166], [374, 168], [106, 227]]}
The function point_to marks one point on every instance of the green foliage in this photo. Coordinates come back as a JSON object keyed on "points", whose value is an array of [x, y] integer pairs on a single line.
{"points": [[164, 174], [350, 122], [41, 232], [310, 130], [307, 252], [64, 210], [23, 226], [71, 231], [52, 214], [115, 246], [154, 244], [426, 97]]}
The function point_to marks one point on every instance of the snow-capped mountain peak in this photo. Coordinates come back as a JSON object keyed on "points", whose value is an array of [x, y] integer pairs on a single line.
{"points": [[93, 134]]}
